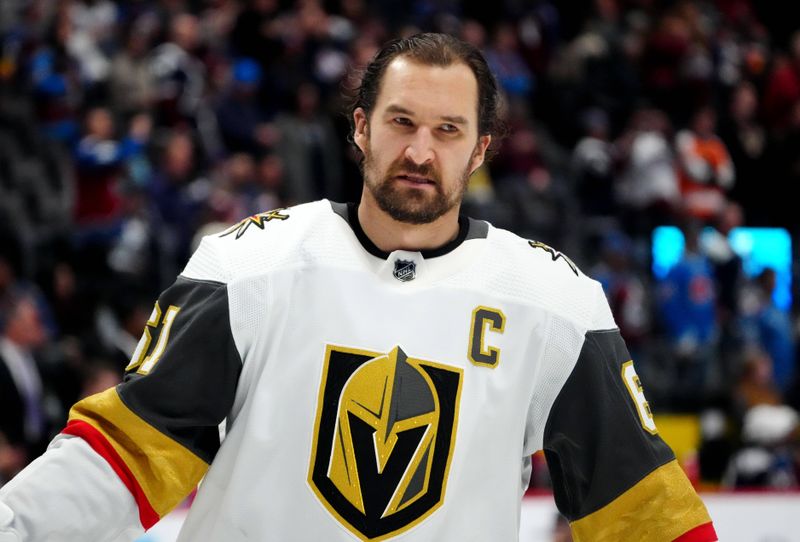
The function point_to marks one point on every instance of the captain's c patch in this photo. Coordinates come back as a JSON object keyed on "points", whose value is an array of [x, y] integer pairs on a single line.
{"points": [[383, 439]]}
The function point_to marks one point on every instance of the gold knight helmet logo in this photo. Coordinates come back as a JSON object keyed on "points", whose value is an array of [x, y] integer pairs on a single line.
{"points": [[384, 437]]}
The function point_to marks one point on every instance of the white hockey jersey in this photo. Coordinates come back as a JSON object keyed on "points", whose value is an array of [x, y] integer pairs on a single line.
{"points": [[326, 391]]}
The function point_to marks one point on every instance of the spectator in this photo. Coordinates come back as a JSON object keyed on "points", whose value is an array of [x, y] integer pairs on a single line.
{"points": [[770, 328], [626, 293], [473, 33], [99, 159], [96, 18], [783, 173], [256, 35], [120, 326], [132, 84], [687, 300], [756, 383], [783, 87], [7, 272], [131, 254], [241, 187], [697, 68], [71, 298], [526, 183], [55, 79], [665, 53], [729, 279], [705, 167], [593, 167], [593, 173], [177, 195], [100, 377], [23, 422], [93, 23], [243, 121], [608, 76], [270, 178], [746, 138], [767, 460], [180, 76], [217, 22], [309, 148], [647, 186], [508, 65]]}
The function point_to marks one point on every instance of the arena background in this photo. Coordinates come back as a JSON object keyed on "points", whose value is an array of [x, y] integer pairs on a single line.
{"points": [[656, 143]]}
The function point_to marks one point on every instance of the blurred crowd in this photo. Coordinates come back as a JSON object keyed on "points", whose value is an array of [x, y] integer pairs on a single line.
{"points": [[130, 129]]}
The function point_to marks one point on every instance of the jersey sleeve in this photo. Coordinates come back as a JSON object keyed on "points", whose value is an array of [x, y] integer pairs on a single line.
{"points": [[159, 429], [614, 478], [68, 494]]}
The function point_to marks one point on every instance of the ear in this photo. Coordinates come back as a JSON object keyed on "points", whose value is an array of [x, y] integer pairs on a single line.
{"points": [[360, 135], [479, 153]]}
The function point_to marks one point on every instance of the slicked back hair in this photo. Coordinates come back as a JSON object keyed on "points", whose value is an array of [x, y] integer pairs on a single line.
{"points": [[433, 49]]}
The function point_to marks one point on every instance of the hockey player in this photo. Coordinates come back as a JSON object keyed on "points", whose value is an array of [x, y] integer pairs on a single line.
{"points": [[379, 371]]}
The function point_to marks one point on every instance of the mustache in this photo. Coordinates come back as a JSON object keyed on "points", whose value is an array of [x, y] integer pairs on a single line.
{"points": [[406, 166]]}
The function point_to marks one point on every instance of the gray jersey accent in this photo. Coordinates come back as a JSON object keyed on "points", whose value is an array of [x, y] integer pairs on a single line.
{"points": [[478, 229]]}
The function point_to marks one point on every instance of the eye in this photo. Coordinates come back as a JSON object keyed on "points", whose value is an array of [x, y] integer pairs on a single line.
{"points": [[449, 128], [402, 121]]}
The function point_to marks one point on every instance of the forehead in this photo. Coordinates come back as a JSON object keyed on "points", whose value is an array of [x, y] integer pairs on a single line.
{"points": [[429, 90]]}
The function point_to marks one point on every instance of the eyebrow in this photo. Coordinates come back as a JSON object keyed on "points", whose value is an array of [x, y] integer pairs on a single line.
{"points": [[455, 119]]}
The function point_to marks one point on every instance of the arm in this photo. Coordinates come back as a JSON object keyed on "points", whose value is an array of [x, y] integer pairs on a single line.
{"points": [[33, 506], [613, 476], [130, 454]]}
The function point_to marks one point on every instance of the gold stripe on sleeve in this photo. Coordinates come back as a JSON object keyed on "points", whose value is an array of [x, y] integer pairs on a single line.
{"points": [[660, 507], [166, 470]]}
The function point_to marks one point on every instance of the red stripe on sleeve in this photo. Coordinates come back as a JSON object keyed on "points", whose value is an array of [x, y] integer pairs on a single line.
{"points": [[701, 533], [100, 444]]}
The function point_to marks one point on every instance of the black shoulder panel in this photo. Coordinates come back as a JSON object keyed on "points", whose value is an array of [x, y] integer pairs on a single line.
{"points": [[191, 388], [594, 442]]}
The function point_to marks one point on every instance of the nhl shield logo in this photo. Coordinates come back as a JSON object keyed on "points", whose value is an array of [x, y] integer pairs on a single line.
{"points": [[405, 270], [383, 439]]}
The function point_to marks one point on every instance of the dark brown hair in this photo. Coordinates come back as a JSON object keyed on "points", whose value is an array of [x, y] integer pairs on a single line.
{"points": [[433, 50]]}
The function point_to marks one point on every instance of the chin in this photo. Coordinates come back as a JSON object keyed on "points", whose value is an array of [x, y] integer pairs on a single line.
{"points": [[415, 214]]}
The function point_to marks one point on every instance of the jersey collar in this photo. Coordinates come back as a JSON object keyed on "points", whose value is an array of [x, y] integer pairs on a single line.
{"points": [[468, 228]]}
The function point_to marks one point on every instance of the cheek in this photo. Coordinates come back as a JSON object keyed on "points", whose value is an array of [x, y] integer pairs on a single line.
{"points": [[387, 142], [461, 160], [475, 158], [385, 151]]}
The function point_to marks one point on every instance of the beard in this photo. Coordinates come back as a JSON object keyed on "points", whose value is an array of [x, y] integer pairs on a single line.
{"points": [[406, 203]]}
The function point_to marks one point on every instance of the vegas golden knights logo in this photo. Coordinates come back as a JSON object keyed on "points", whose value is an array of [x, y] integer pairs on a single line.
{"points": [[384, 437]]}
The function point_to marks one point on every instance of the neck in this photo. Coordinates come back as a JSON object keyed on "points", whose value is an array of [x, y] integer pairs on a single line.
{"points": [[389, 234]]}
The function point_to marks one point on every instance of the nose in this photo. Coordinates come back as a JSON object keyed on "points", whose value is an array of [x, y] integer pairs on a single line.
{"points": [[420, 148]]}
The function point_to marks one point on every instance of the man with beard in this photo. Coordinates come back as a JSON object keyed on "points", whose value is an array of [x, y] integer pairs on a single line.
{"points": [[364, 372]]}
